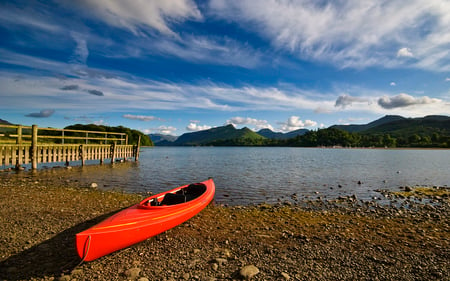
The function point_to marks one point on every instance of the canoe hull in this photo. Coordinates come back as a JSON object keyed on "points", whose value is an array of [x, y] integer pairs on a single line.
{"points": [[138, 223]]}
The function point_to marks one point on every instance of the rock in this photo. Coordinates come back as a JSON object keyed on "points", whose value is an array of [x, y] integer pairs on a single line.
{"points": [[143, 279], [408, 189], [94, 185], [186, 276], [76, 272], [132, 273], [248, 272], [64, 278], [220, 261], [285, 276], [214, 266]]}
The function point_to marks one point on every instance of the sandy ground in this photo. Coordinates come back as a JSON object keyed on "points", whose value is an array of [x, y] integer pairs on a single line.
{"points": [[344, 239]]}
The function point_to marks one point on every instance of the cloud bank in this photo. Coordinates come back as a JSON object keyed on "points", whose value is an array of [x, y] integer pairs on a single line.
{"points": [[295, 123], [194, 127], [259, 124], [404, 100]]}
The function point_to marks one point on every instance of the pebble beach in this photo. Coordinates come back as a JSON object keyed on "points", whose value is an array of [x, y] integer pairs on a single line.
{"points": [[341, 239]]}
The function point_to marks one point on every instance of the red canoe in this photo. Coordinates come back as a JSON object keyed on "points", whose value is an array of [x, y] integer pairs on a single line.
{"points": [[150, 217]]}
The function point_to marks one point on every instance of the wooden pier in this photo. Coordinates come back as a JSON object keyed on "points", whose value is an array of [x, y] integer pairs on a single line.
{"points": [[22, 145]]}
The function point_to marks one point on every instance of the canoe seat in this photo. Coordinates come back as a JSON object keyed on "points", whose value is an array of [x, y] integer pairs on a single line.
{"points": [[172, 199], [195, 189]]}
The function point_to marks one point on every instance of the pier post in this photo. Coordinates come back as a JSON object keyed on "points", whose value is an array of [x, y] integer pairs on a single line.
{"points": [[82, 155], [19, 135], [137, 148], [113, 152], [34, 140]]}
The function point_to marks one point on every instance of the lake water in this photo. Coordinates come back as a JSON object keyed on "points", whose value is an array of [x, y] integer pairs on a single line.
{"points": [[247, 175]]}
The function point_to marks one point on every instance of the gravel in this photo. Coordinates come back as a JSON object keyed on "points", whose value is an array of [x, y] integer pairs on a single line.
{"points": [[342, 239]]}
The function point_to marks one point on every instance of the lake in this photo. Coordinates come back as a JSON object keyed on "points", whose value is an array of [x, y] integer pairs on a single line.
{"points": [[247, 175]]}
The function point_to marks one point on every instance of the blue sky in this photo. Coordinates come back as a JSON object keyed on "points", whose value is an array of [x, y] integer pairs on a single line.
{"points": [[178, 66]]}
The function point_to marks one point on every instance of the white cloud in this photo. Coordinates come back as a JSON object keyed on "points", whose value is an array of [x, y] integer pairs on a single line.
{"points": [[447, 79], [194, 127], [137, 14], [294, 123], [393, 84], [165, 130], [404, 100], [141, 117], [405, 52], [349, 33], [259, 124]]}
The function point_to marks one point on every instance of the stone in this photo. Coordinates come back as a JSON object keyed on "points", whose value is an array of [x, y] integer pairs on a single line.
{"points": [[143, 279], [132, 272], [94, 185], [285, 276], [220, 261], [186, 276], [248, 272], [64, 278]]}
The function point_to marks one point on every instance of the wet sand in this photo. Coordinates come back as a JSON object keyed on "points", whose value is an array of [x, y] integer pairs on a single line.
{"points": [[343, 239]]}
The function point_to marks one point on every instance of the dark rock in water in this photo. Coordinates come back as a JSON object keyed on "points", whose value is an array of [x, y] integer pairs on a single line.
{"points": [[408, 189], [359, 182]]}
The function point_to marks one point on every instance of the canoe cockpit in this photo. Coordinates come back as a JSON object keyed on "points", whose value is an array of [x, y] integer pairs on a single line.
{"points": [[179, 196]]}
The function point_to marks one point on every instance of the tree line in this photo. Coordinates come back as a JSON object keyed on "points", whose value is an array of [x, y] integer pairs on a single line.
{"points": [[332, 137]]}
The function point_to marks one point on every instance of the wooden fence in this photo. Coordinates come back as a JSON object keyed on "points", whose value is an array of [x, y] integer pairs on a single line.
{"points": [[17, 148]]}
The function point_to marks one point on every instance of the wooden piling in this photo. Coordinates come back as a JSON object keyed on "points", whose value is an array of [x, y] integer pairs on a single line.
{"points": [[34, 140], [137, 149]]}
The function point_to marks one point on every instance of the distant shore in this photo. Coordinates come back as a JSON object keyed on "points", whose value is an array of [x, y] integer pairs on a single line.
{"points": [[315, 240]]}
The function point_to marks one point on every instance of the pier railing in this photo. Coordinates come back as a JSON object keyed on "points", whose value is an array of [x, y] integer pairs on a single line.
{"points": [[21, 145]]}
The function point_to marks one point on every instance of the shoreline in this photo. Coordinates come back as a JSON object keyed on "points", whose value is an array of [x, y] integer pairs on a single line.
{"points": [[315, 240]]}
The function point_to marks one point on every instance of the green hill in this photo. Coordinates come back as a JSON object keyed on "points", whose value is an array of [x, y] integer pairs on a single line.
{"points": [[397, 131], [410, 126], [364, 127], [4, 122], [225, 135]]}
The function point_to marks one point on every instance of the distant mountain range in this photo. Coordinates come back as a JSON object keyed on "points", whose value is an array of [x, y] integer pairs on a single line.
{"points": [[400, 126], [219, 135], [267, 133], [394, 125], [431, 127]]}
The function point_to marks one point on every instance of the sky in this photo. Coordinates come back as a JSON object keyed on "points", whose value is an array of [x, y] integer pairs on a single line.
{"points": [[177, 66]]}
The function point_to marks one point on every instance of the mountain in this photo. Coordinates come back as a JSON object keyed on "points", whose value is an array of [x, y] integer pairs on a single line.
{"points": [[160, 138], [398, 126], [360, 128], [406, 127], [267, 133], [215, 136], [4, 122]]}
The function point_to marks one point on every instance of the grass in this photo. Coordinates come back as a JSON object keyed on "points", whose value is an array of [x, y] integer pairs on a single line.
{"points": [[424, 192]]}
